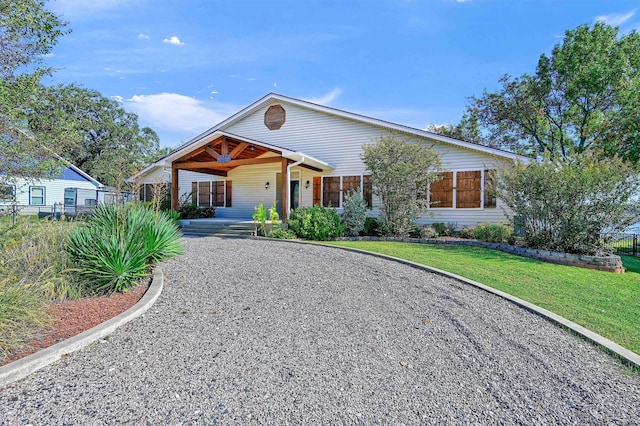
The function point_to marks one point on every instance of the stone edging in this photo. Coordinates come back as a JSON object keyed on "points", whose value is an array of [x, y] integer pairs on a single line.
{"points": [[23, 367], [625, 355], [611, 263]]}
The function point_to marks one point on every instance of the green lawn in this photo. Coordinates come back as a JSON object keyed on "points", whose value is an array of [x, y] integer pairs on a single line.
{"points": [[604, 302]]}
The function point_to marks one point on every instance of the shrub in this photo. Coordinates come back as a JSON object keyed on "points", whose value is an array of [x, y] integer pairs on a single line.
{"points": [[428, 231], [191, 211], [490, 232], [401, 171], [315, 223], [565, 205], [282, 234], [371, 227], [444, 230], [354, 213], [116, 246]]}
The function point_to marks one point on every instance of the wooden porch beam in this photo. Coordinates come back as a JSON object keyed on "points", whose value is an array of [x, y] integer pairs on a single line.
{"points": [[238, 149], [224, 149], [211, 152], [188, 165], [285, 191], [174, 188]]}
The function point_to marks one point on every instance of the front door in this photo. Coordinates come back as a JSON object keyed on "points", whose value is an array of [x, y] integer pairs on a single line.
{"points": [[294, 193]]}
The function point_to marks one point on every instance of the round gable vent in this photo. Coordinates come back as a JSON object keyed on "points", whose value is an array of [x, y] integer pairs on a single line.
{"points": [[274, 117]]}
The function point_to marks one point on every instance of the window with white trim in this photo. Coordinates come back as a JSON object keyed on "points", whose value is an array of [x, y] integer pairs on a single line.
{"points": [[209, 193], [464, 189], [36, 195], [335, 188]]}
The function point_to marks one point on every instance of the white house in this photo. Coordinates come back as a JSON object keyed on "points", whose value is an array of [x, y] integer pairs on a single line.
{"points": [[281, 148], [73, 189]]}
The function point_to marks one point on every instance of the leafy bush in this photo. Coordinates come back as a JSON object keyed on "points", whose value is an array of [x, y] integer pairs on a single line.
{"points": [[315, 223], [490, 232], [371, 227], [401, 171], [191, 211], [354, 213], [565, 205], [444, 230], [282, 234], [116, 246], [428, 231]]}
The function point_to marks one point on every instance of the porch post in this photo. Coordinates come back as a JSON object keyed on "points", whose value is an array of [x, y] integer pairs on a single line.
{"points": [[285, 192], [174, 188]]}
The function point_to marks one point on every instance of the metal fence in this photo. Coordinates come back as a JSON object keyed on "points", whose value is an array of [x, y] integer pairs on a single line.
{"points": [[626, 244]]}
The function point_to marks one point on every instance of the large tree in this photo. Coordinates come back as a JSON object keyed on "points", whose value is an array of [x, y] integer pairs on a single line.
{"points": [[401, 171], [583, 97], [27, 33], [94, 132]]}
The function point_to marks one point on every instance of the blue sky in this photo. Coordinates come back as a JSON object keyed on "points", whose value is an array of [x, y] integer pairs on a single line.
{"points": [[185, 65]]}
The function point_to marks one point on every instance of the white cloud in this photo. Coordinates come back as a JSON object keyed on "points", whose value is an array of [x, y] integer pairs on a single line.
{"points": [[143, 36], [173, 40], [616, 19], [327, 98], [176, 113], [117, 98]]}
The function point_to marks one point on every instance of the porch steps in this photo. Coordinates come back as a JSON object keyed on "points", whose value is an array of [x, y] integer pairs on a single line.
{"points": [[194, 228]]}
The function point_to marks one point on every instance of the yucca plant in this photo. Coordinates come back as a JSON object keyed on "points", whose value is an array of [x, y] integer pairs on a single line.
{"points": [[118, 244]]}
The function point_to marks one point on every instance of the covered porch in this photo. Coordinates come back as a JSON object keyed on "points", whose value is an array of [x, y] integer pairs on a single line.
{"points": [[221, 154]]}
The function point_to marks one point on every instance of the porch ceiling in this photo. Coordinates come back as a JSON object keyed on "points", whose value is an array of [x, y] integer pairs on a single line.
{"points": [[225, 153]]}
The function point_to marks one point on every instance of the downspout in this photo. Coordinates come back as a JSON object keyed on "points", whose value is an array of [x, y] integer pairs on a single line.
{"points": [[287, 201]]}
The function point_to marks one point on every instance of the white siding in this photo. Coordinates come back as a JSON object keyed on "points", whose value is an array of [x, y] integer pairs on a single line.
{"points": [[335, 140], [338, 141], [54, 192]]}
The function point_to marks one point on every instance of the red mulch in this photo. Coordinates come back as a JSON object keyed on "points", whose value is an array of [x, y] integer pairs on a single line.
{"points": [[75, 316]]}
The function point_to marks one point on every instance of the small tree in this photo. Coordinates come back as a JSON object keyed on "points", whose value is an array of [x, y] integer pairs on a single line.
{"points": [[354, 213], [566, 205], [401, 172]]}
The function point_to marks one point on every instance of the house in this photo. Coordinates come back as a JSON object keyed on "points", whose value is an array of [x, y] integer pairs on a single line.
{"points": [[296, 153], [70, 192]]}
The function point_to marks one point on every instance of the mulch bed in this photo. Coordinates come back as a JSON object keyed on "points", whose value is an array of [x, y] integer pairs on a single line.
{"points": [[72, 317]]}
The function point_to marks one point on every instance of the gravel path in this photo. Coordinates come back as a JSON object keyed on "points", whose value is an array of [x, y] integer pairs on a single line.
{"points": [[270, 332]]}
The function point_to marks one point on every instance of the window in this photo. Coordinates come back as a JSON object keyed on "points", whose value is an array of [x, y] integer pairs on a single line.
{"points": [[331, 191], [215, 193], [204, 194], [350, 184], [468, 189], [442, 192], [367, 190], [463, 190], [7, 193], [36, 195], [489, 194], [70, 197], [332, 186]]}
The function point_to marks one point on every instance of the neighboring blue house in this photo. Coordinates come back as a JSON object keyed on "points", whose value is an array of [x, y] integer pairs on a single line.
{"points": [[72, 190]]}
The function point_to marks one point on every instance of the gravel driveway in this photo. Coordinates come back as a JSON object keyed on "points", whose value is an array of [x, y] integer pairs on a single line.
{"points": [[270, 332]]}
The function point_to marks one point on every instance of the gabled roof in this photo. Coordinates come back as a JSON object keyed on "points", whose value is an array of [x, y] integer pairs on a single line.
{"points": [[270, 98], [267, 99]]}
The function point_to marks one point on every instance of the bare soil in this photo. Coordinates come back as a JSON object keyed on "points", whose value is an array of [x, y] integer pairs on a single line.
{"points": [[72, 317]]}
